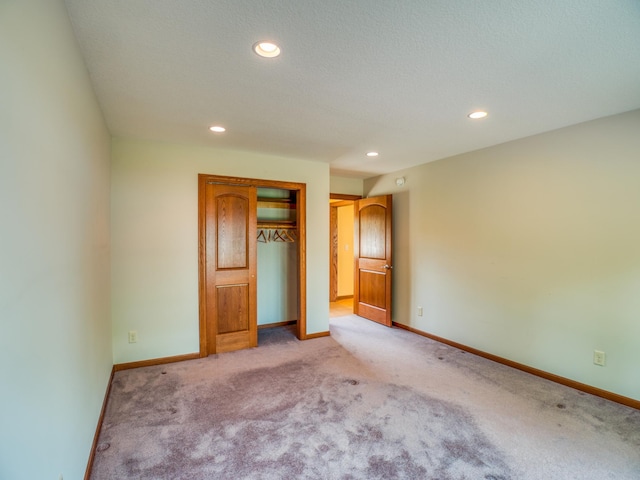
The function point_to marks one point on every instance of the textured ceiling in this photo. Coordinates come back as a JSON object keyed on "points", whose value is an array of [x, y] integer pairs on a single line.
{"points": [[398, 76]]}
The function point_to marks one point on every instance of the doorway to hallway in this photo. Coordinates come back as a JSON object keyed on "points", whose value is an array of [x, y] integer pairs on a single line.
{"points": [[340, 308], [341, 281], [361, 267]]}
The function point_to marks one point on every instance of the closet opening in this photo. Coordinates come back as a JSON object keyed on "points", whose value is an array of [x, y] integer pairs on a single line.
{"points": [[277, 254], [252, 264]]}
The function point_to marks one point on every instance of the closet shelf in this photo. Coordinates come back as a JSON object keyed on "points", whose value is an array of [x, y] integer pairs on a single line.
{"points": [[277, 224], [276, 203]]}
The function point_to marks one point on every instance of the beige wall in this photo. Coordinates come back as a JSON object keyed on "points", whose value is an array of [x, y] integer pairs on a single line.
{"points": [[155, 240], [55, 340], [529, 250], [346, 185]]}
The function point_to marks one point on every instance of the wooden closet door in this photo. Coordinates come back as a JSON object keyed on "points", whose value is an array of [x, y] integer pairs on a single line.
{"points": [[231, 259]]}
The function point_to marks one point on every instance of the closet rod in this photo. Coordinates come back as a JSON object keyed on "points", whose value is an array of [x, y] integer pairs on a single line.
{"points": [[276, 226]]}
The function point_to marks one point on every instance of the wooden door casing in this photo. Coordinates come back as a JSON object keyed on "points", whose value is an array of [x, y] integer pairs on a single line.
{"points": [[373, 259], [333, 253], [341, 200], [206, 298]]}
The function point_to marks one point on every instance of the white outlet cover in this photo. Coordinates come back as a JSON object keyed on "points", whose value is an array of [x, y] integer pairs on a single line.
{"points": [[599, 357]]}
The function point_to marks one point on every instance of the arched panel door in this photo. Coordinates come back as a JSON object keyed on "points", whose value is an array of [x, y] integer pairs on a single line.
{"points": [[373, 261], [231, 296]]}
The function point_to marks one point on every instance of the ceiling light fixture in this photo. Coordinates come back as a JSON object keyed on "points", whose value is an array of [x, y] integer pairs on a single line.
{"points": [[372, 154], [217, 129], [477, 115], [266, 49]]}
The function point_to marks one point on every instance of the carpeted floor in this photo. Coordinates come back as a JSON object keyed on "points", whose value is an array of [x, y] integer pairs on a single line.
{"points": [[368, 402]]}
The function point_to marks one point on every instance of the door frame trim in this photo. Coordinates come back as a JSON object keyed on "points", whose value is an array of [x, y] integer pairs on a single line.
{"points": [[300, 190]]}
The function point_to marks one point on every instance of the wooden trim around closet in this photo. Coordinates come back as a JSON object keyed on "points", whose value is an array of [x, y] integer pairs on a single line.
{"points": [[202, 264], [300, 190], [301, 218], [583, 387]]}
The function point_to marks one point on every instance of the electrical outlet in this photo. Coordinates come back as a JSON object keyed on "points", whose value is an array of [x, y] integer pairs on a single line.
{"points": [[598, 357], [133, 336], [419, 311]]}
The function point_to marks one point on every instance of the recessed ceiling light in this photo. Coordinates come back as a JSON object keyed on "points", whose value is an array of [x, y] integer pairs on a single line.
{"points": [[372, 154], [477, 115], [217, 129], [266, 49]]}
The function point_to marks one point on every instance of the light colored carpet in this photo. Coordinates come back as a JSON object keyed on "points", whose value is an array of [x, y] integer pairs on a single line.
{"points": [[368, 402]]}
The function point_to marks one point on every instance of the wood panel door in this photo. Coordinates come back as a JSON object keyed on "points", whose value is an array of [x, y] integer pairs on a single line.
{"points": [[231, 266], [373, 262]]}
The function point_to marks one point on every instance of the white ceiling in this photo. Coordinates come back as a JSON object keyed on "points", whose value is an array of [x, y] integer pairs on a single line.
{"points": [[397, 76]]}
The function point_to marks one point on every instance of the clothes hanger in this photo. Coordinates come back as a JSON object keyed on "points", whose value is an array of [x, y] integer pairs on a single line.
{"points": [[277, 236], [287, 236]]}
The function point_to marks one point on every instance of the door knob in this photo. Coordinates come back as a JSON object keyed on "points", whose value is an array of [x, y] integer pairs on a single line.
{"points": [[387, 267]]}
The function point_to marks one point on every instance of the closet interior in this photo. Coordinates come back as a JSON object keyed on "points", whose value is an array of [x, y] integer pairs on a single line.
{"points": [[277, 243]]}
